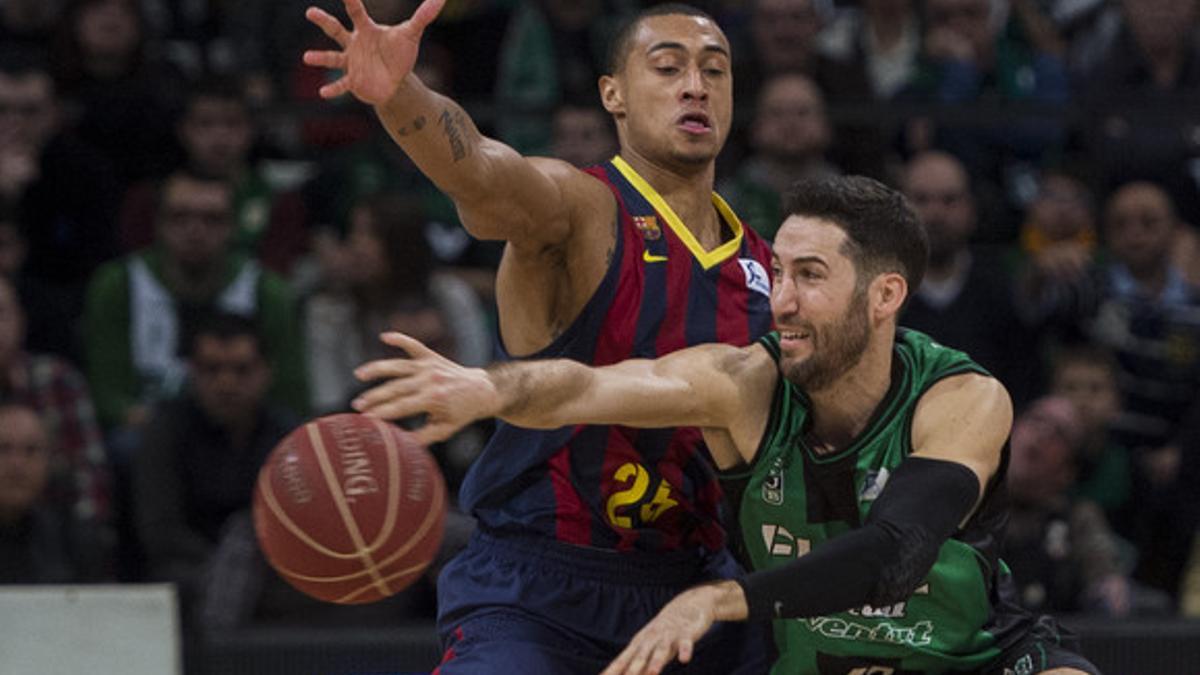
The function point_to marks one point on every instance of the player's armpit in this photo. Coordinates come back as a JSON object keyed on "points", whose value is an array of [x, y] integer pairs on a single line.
{"points": [[964, 419]]}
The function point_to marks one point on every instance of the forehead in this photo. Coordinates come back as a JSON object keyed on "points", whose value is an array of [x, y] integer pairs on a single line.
{"points": [[30, 85], [1141, 198], [695, 33], [933, 173], [189, 191], [21, 423], [807, 236], [789, 89]]}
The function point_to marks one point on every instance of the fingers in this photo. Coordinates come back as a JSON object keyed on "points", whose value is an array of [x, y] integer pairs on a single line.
{"points": [[357, 13], [414, 347], [329, 25], [426, 13], [325, 59], [336, 88], [390, 398], [377, 370], [647, 655]]}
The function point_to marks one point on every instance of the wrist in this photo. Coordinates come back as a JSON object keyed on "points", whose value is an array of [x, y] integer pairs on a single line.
{"points": [[728, 601]]}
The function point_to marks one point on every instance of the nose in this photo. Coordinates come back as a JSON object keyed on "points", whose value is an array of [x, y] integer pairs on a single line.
{"points": [[694, 86], [784, 299]]}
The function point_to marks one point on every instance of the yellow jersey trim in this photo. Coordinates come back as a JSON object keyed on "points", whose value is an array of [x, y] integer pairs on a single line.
{"points": [[707, 259]]}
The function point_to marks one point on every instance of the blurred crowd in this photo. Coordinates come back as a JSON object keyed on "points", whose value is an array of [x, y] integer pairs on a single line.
{"points": [[195, 251]]}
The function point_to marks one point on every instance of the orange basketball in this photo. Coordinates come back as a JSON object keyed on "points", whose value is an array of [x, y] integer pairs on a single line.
{"points": [[349, 509]]}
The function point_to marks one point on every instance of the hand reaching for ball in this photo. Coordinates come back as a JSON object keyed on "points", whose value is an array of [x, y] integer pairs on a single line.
{"points": [[450, 395]]}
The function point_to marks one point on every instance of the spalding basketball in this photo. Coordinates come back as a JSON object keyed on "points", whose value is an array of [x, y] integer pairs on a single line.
{"points": [[349, 508]]}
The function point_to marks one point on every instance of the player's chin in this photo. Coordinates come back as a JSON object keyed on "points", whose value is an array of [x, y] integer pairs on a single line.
{"points": [[696, 153]]}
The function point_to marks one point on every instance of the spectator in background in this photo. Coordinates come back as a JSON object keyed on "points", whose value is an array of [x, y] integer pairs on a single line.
{"points": [[117, 96], [60, 191], [202, 450], [553, 52], [967, 300], [395, 285], [582, 135], [217, 134], [1141, 99], [1062, 554], [58, 393], [1086, 375], [139, 305], [881, 39], [38, 543], [976, 53], [1058, 243], [30, 23], [1149, 316], [789, 136]]}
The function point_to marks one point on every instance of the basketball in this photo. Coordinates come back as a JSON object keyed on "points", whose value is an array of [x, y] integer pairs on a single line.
{"points": [[349, 509]]}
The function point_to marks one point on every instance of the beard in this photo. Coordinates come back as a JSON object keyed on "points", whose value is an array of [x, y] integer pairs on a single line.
{"points": [[837, 348]]}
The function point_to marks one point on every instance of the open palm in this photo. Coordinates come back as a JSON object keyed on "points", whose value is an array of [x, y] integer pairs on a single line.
{"points": [[374, 59]]}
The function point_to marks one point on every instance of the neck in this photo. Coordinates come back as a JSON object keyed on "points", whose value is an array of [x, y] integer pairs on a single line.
{"points": [[687, 189], [887, 23], [841, 411], [1152, 280], [191, 284]]}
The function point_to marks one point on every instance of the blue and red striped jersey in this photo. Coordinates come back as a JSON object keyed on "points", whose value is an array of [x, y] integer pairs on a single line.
{"points": [[615, 487]]}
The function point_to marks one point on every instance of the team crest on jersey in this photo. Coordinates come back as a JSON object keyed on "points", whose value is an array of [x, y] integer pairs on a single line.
{"points": [[772, 487], [1023, 666], [648, 226], [873, 484], [756, 276]]}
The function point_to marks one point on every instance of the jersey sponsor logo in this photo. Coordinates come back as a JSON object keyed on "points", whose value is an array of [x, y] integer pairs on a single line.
{"points": [[772, 486], [628, 507], [648, 226], [919, 634], [1023, 666], [873, 485], [756, 276], [649, 257], [779, 542], [896, 611]]}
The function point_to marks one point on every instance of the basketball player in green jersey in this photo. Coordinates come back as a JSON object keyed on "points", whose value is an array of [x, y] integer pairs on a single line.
{"points": [[873, 457]]}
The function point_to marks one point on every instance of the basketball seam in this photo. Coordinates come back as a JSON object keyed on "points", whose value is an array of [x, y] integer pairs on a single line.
{"points": [[339, 500]]}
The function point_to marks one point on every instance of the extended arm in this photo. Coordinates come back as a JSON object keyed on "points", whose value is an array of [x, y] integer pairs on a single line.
{"points": [[959, 429], [708, 386], [499, 193]]}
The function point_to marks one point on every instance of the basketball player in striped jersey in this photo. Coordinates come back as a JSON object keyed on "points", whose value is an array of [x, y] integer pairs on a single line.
{"points": [[874, 459], [586, 532]]}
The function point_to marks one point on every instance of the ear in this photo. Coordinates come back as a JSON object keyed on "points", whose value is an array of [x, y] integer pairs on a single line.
{"points": [[611, 95], [888, 292]]}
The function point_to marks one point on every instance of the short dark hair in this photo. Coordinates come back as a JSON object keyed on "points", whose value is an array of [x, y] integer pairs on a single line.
{"points": [[17, 60], [222, 325], [883, 233], [618, 48]]}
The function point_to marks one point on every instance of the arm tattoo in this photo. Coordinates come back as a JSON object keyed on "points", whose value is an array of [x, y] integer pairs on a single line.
{"points": [[452, 125], [417, 125]]}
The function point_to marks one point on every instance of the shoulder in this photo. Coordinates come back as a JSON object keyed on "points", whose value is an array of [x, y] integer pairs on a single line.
{"points": [[965, 417]]}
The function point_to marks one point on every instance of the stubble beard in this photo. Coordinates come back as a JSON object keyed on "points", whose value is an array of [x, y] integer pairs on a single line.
{"points": [[836, 348]]}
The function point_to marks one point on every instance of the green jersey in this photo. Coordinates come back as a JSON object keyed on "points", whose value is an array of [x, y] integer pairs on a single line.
{"points": [[795, 500]]}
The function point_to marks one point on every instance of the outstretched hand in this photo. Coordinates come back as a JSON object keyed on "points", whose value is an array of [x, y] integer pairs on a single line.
{"points": [[450, 395], [672, 634], [374, 58]]}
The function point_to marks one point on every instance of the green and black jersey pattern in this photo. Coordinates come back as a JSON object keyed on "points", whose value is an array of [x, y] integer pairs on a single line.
{"points": [[795, 500]]}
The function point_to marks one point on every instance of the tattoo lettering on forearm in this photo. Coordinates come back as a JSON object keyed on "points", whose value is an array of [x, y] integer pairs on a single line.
{"points": [[452, 125], [417, 125]]}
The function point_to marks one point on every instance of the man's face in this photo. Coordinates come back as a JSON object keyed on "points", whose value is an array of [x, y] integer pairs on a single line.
{"points": [[195, 222], [582, 136], [217, 134], [674, 96], [1092, 389], [12, 249], [1140, 224], [27, 111], [1062, 209], [938, 189], [24, 460], [1042, 448], [819, 310], [12, 322], [230, 377], [790, 121], [969, 18], [1156, 24], [108, 29], [784, 33]]}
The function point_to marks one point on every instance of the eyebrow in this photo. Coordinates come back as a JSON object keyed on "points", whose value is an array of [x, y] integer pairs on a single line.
{"points": [[679, 45]]}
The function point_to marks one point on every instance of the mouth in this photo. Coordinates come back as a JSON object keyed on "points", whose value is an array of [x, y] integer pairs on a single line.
{"points": [[792, 338], [694, 123]]}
